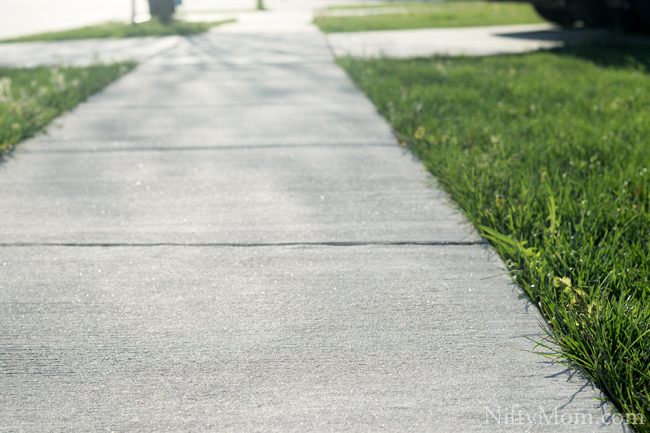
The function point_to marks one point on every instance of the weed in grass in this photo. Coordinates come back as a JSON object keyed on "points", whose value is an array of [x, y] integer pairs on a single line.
{"points": [[31, 98], [121, 30], [548, 155], [437, 14]]}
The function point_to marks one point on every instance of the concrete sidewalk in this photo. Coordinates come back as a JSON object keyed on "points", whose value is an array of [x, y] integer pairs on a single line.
{"points": [[470, 41], [229, 239]]}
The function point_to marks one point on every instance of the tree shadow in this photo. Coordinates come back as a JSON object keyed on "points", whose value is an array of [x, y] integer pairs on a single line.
{"points": [[613, 51], [599, 46], [559, 35]]}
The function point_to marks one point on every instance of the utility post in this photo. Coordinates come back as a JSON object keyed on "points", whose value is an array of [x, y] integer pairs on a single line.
{"points": [[132, 12], [260, 5]]}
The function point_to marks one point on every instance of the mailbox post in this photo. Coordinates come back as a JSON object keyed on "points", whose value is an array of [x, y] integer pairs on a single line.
{"points": [[162, 9]]}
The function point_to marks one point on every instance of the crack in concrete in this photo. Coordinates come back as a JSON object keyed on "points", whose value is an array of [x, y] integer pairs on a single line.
{"points": [[243, 244], [195, 148]]}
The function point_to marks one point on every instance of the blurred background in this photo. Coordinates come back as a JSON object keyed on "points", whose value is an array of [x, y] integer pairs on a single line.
{"points": [[27, 17]]}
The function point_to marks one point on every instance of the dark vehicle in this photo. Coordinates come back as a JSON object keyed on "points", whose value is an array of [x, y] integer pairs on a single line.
{"points": [[626, 15]]}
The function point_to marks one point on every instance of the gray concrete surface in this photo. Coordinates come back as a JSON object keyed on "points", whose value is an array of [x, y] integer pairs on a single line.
{"points": [[83, 52], [301, 338], [473, 41], [228, 239]]}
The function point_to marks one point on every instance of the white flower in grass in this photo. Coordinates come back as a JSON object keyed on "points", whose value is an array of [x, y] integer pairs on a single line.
{"points": [[58, 80], [5, 89]]}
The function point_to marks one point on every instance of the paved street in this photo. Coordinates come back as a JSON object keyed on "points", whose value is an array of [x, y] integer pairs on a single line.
{"points": [[229, 239]]}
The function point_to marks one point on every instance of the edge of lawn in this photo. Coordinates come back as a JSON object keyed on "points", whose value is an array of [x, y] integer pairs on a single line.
{"points": [[451, 14], [565, 303], [31, 98], [114, 29]]}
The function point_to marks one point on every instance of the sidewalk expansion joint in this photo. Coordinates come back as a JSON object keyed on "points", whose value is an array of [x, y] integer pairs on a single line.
{"points": [[243, 244], [200, 148], [103, 107]]}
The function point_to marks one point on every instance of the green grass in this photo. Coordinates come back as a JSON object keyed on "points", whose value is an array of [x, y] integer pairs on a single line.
{"points": [[31, 97], [429, 15], [384, 5], [548, 155], [121, 30]]}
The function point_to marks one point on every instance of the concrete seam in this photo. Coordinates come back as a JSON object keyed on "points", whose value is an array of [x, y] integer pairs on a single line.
{"points": [[242, 245], [195, 148]]}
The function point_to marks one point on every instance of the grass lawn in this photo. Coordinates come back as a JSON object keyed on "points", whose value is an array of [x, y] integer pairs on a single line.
{"points": [[548, 155], [31, 97], [121, 30], [379, 5], [438, 14], [398, 4]]}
